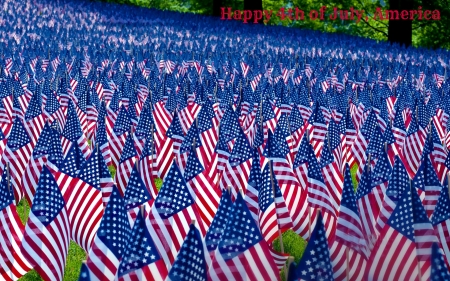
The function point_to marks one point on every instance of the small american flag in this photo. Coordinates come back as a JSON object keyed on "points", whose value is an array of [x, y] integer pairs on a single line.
{"points": [[396, 245], [192, 260], [441, 222], [316, 260], [439, 270], [242, 253], [14, 264], [126, 164], [46, 239], [136, 195], [349, 228], [112, 236], [141, 259], [169, 212]]}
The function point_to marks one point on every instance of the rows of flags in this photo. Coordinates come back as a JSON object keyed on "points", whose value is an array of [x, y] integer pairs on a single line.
{"points": [[262, 142]]}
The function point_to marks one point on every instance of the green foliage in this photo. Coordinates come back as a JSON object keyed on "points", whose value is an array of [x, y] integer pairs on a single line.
{"points": [[426, 33], [158, 183], [112, 171], [75, 256], [353, 172], [293, 244]]}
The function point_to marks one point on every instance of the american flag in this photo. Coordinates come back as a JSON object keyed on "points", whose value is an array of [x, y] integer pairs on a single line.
{"points": [[318, 194], [439, 270], [414, 142], [370, 195], [399, 130], [17, 153], [315, 262], [46, 238], [441, 222], [14, 265], [396, 254], [83, 202], [238, 166], [136, 195], [431, 186], [147, 165], [205, 193], [170, 212], [47, 150], [126, 164], [72, 134], [245, 68], [216, 230], [192, 260], [242, 253], [118, 137], [141, 259], [34, 118], [424, 236], [112, 236], [349, 231], [399, 182], [273, 215]]}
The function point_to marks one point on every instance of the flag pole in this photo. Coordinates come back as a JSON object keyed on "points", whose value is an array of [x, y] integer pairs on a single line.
{"points": [[289, 263], [448, 182], [347, 266]]}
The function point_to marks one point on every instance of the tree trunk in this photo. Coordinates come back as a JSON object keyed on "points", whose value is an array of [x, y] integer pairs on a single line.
{"points": [[400, 31], [217, 4], [253, 5]]}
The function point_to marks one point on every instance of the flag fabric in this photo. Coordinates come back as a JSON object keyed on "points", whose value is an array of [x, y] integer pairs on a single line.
{"points": [[206, 194], [441, 222], [439, 270], [141, 259], [396, 254], [249, 259], [46, 238], [192, 260], [112, 236], [125, 164], [424, 236], [169, 213], [136, 195], [14, 265], [17, 154], [315, 262], [84, 201], [217, 228]]}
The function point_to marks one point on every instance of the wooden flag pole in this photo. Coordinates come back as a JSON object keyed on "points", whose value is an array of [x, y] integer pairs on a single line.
{"points": [[448, 182], [347, 265], [287, 269]]}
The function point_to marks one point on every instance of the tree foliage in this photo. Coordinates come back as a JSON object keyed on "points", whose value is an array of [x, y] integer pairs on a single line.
{"points": [[425, 33]]}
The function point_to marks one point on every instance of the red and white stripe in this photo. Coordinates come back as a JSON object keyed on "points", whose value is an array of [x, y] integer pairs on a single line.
{"points": [[254, 264], [46, 247], [395, 258], [84, 206], [13, 264]]}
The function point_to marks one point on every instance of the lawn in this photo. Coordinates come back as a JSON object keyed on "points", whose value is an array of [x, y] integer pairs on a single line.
{"points": [[293, 244]]}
